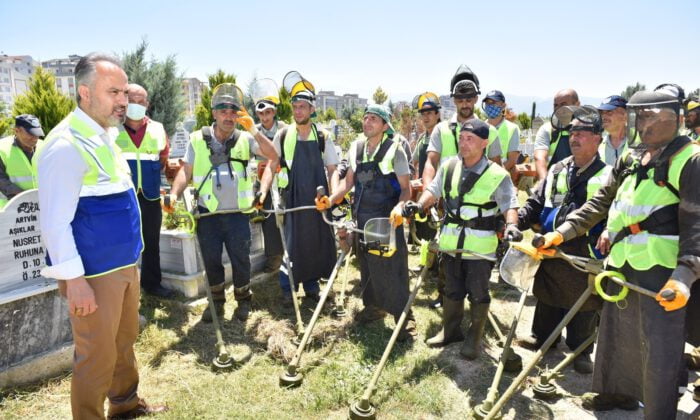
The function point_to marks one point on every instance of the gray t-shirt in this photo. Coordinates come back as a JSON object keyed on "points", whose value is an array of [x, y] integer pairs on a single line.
{"points": [[505, 195], [543, 137], [400, 161], [330, 155], [435, 145], [227, 193], [513, 143]]}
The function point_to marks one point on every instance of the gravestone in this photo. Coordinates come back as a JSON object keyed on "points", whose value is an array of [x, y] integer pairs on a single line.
{"points": [[34, 321], [179, 142]]}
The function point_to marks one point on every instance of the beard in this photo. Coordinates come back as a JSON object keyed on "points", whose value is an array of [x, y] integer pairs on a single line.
{"points": [[466, 113], [305, 121]]}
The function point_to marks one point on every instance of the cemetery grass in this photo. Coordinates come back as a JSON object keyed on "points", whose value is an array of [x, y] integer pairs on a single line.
{"points": [[175, 351]]}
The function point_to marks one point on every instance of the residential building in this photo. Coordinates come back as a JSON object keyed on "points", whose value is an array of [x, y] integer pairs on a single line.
{"points": [[192, 90], [328, 99], [15, 71], [63, 70]]}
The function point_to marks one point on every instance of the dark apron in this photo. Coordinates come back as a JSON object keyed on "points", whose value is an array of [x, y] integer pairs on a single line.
{"points": [[422, 154], [310, 241], [271, 234], [384, 281], [692, 321], [640, 348]]}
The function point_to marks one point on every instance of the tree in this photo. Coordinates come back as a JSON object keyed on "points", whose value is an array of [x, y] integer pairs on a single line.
{"points": [[524, 121], [631, 90], [330, 114], [203, 111], [355, 120], [6, 122], [162, 82], [379, 96], [284, 109], [479, 114], [43, 100]]}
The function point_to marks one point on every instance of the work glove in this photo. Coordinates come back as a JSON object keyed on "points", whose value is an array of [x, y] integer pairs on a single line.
{"points": [[167, 203], [512, 233], [323, 203], [411, 208], [259, 199], [246, 121], [680, 298], [395, 218], [549, 240]]}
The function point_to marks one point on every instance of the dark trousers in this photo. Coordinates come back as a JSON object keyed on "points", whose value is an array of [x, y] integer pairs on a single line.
{"points": [[581, 326], [467, 278], [233, 232], [151, 219]]}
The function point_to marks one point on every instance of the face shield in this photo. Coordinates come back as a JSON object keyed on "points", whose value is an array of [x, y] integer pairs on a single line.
{"points": [[265, 94], [588, 119], [561, 118], [226, 96], [651, 125], [427, 101], [294, 83]]}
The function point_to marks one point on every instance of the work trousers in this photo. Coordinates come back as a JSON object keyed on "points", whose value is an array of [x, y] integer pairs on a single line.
{"points": [[104, 364], [581, 326], [151, 219], [467, 278]]}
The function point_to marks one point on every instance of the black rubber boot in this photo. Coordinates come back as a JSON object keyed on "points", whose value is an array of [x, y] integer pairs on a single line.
{"points": [[243, 296], [472, 344], [452, 314], [218, 294]]}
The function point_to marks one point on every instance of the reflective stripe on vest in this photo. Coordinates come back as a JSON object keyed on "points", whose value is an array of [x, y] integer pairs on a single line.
{"points": [[505, 133], [632, 205], [202, 167], [386, 165], [290, 144], [480, 241], [107, 222], [144, 160], [449, 144], [17, 167]]}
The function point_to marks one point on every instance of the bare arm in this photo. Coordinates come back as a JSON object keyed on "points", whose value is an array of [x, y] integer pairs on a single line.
{"points": [[344, 185], [512, 159], [266, 147], [431, 165], [183, 177], [541, 157]]}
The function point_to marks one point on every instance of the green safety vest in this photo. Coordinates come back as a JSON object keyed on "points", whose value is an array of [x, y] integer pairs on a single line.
{"points": [[634, 203], [386, 165], [505, 133], [553, 143], [17, 167], [289, 140], [202, 167], [557, 187], [148, 154], [450, 139], [476, 203], [604, 146]]}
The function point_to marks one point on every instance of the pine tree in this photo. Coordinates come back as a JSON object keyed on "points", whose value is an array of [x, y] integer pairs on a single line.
{"points": [[43, 100]]}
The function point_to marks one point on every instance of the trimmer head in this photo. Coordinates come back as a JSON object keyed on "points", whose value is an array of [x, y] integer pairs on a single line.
{"points": [[362, 410], [291, 380]]}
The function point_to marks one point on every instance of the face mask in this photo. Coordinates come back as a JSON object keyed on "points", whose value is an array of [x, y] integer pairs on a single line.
{"points": [[492, 111], [135, 112]]}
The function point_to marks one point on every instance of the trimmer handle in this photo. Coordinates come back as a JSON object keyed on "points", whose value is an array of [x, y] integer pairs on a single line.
{"points": [[538, 240], [320, 191], [668, 295], [166, 200]]}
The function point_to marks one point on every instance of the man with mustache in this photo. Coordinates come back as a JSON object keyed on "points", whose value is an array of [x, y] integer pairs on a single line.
{"points": [[652, 206], [568, 185], [145, 146], [464, 88], [91, 228]]}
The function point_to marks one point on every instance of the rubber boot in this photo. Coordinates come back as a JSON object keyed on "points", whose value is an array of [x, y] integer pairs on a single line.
{"points": [[472, 344], [218, 295], [408, 332], [452, 314], [243, 296]]}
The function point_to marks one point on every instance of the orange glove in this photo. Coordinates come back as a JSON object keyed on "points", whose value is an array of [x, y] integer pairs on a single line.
{"points": [[246, 121], [682, 294], [550, 239], [396, 218], [167, 203], [323, 203]]}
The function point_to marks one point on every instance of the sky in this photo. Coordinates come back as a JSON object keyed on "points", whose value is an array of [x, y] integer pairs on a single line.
{"points": [[522, 48]]}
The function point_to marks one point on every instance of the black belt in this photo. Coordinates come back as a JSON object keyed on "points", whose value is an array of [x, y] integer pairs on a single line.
{"points": [[478, 223], [663, 221]]}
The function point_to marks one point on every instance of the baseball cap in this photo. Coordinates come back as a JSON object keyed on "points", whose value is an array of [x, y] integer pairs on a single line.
{"points": [[476, 126], [30, 123], [612, 102], [496, 95]]}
